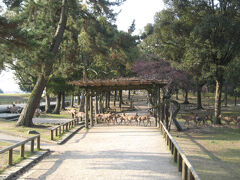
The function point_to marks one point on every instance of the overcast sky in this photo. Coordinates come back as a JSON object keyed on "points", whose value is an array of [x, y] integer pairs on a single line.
{"points": [[142, 11]]}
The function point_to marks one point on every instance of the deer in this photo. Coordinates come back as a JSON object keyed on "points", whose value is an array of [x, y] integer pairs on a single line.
{"points": [[107, 117], [98, 117], [189, 117], [73, 112], [80, 115], [115, 117], [227, 119], [237, 120], [131, 118], [123, 118], [144, 118]]}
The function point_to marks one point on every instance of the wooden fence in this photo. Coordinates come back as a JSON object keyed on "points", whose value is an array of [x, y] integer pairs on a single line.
{"points": [[184, 166], [59, 130], [22, 150]]}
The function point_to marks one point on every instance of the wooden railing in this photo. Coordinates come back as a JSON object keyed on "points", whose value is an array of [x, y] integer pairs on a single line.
{"points": [[22, 149], [59, 130], [184, 166]]}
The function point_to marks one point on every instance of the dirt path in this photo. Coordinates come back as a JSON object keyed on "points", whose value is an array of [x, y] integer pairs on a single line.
{"points": [[109, 153]]}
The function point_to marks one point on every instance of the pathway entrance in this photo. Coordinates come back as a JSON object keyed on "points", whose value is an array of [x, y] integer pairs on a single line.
{"points": [[109, 153]]}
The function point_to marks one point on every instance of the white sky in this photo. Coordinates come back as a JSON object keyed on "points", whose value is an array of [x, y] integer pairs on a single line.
{"points": [[142, 11]]}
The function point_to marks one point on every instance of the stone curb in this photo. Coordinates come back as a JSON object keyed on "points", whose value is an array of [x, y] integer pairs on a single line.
{"points": [[67, 136], [13, 172]]}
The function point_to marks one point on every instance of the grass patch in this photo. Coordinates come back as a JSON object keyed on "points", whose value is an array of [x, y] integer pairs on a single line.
{"points": [[9, 127], [212, 149], [58, 116], [16, 158], [3, 144]]}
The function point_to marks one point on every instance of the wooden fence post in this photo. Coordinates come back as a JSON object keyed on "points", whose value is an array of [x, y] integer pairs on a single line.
{"points": [[32, 145], [10, 156], [22, 150], [52, 134], [38, 142]]}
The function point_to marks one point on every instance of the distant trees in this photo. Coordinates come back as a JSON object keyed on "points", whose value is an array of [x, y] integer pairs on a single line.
{"points": [[201, 36], [1, 91]]}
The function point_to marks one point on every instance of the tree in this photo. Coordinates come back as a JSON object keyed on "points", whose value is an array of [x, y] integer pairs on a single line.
{"points": [[209, 28], [52, 17], [1, 91]]}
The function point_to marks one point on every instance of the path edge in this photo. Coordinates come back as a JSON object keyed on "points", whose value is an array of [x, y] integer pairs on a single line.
{"points": [[14, 171]]}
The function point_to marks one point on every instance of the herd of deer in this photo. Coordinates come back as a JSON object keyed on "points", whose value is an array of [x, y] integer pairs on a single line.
{"points": [[203, 118], [116, 118]]}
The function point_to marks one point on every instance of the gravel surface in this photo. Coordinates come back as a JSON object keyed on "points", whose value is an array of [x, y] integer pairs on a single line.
{"points": [[109, 153]]}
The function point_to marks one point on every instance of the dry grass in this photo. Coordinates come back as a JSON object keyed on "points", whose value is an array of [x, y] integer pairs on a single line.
{"points": [[9, 127]]}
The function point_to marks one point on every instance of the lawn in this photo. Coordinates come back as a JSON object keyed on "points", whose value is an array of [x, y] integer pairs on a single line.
{"points": [[213, 151], [9, 127]]}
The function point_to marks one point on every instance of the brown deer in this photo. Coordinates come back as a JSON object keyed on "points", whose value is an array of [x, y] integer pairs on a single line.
{"points": [[80, 115], [227, 119], [131, 118], [189, 117], [144, 118]]}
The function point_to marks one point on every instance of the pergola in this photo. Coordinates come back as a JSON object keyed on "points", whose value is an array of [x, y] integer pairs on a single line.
{"points": [[94, 87]]}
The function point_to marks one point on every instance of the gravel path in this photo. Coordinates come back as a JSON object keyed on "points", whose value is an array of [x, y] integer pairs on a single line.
{"points": [[109, 153]]}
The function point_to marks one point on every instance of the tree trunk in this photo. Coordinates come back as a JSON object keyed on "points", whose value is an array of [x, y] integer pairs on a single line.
{"points": [[96, 105], [101, 103], [63, 101], [47, 103], [226, 95], [79, 98], [235, 100], [129, 95], [186, 97], [109, 99], [199, 97], [120, 99], [72, 100], [86, 110], [82, 104], [106, 100], [91, 111], [58, 104], [26, 116], [218, 100], [115, 98]]}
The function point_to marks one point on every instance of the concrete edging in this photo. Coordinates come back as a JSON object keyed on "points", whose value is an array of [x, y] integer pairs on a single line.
{"points": [[67, 136], [14, 171]]}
